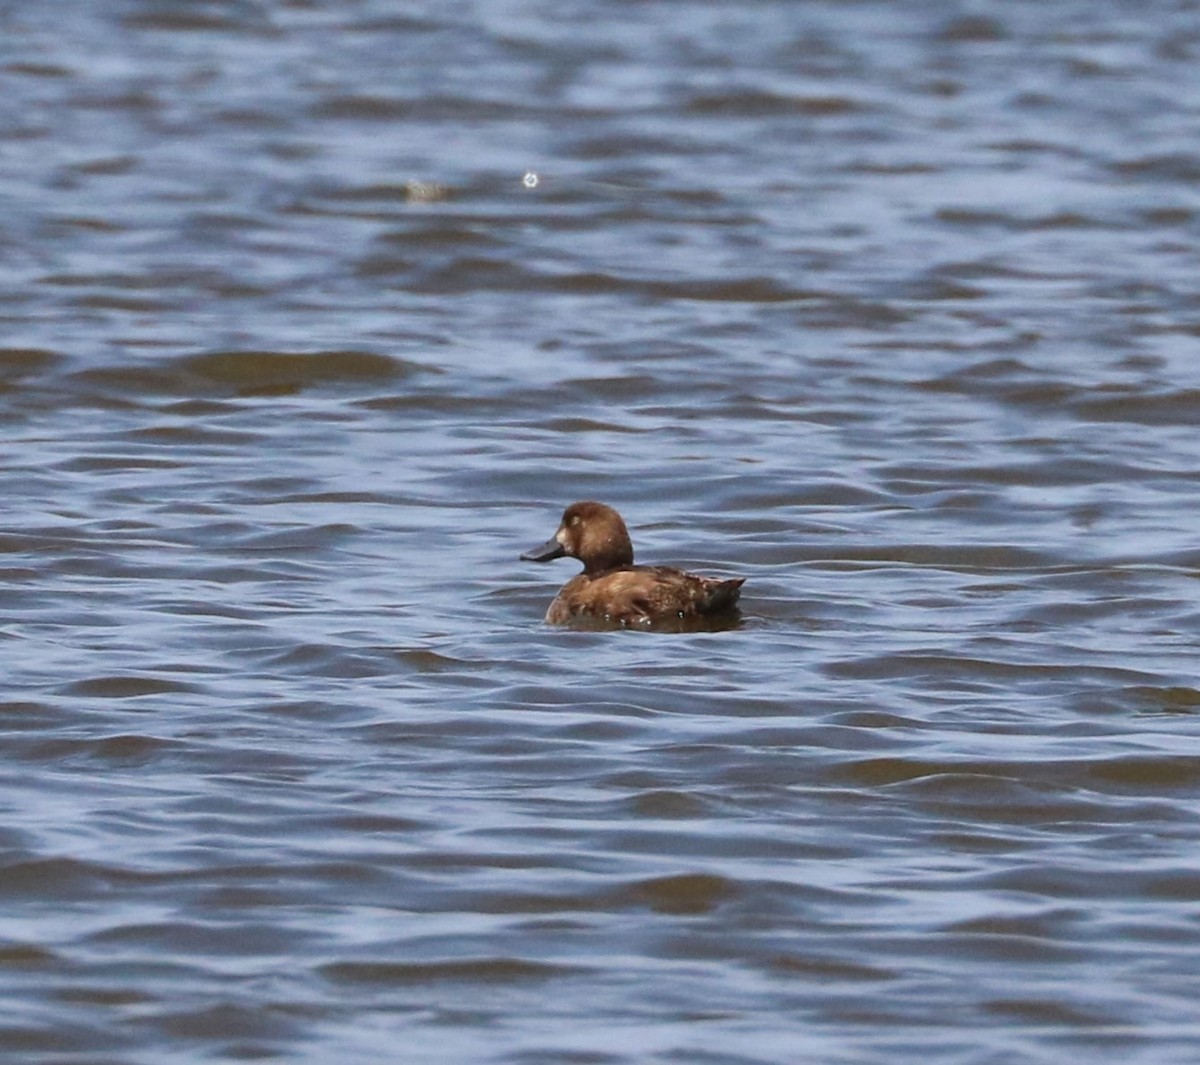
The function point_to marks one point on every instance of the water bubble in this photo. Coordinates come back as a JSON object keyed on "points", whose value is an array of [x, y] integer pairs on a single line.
{"points": [[530, 180]]}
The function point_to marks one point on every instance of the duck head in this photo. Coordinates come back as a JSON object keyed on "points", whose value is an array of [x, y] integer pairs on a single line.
{"points": [[592, 533]]}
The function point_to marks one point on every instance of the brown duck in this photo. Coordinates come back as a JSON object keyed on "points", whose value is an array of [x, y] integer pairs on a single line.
{"points": [[612, 589]]}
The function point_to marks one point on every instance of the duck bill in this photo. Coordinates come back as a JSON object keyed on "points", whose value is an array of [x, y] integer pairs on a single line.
{"points": [[550, 549]]}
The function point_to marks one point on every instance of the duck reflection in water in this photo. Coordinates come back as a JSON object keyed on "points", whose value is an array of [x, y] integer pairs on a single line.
{"points": [[612, 590]]}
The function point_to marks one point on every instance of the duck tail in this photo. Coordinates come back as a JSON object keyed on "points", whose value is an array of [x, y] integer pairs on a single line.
{"points": [[721, 595]]}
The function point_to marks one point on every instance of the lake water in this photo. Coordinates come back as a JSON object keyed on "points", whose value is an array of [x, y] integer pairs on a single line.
{"points": [[316, 315]]}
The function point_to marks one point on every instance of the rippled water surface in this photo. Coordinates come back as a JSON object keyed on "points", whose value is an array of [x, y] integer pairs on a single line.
{"points": [[890, 308]]}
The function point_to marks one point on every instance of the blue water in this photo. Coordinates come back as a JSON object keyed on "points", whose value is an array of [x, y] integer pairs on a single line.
{"points": [[887, 308]]}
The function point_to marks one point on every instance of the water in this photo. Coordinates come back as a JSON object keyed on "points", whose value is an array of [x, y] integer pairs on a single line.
{"points": [[889, 308]]}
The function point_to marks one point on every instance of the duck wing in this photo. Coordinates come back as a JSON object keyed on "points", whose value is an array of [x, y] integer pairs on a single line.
{"points": [[669, 591]]}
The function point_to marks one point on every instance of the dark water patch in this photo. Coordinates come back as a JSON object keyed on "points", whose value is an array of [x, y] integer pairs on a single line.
{"points": [[824, 969], [202, 17], [29, 716], [1170, 168], [1165, 700], [1080, 777], [834, 311], [981, 218], [207, 938], [303, 881], [813, 492], [760, 103], [809, 737], [62, 1039], [410, 731], [976, 673], [375, 107], [327, 660], [60, 879], [425, 661], [972, 28], [106, 463], [585, 425], [190, 433], [363, 107], [564, 1056], [18, 364], [969, 558], [874, 719], [476, 272], [26, 956], [939, 287], [1009, 381], [687, 894], [125, 751], [1038, 1013], [1048, 616], [332, 498], [302, 541], [104, 996], [667, 804], [230, 898], [1048, 473], [614, 387], [1169, 217], [1142, 774], [432, 405], [33, 69], [377, 823], [615, 726], [219, 1025], [124, 687], [1013, 949], [678, 895], [738, 290], [285, 373], [476, 970], [246, 374], [129, 304], [1038, 880], [1055, 923], [1139, 408], [1185, 560]]}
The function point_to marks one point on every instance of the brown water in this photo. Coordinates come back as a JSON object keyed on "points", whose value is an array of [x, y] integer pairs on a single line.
{"points": [[890, 308]]}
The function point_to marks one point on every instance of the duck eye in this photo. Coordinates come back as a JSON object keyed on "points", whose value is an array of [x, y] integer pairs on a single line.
{"points": [[574, 520]]}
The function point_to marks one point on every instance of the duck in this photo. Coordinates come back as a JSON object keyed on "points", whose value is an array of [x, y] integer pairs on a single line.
{"points": [[611, 589]]}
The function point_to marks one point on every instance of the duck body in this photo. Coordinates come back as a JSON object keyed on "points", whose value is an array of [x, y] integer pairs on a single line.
{"points": [[612, 590]]}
